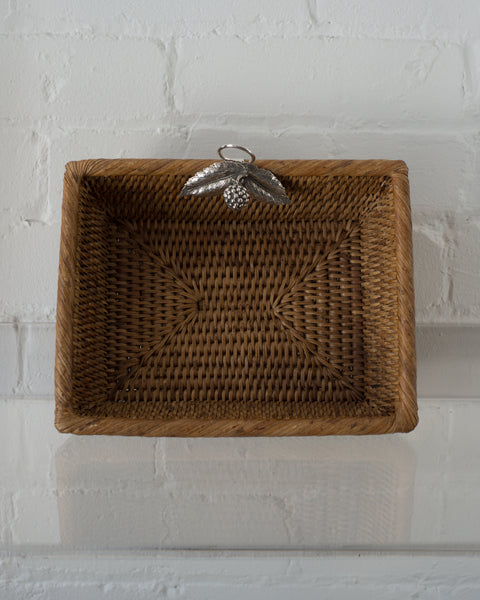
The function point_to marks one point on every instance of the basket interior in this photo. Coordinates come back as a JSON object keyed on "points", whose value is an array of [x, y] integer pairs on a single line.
{"points": [[186, 309]]}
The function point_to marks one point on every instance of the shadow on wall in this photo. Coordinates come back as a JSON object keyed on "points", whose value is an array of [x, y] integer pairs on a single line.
{"points": [[302, 493]]}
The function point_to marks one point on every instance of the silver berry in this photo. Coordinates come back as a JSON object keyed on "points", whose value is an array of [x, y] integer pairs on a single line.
{"points": [[235, 196]]}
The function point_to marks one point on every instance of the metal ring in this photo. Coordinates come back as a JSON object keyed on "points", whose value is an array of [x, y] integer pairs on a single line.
{"points": [[249, 152]]}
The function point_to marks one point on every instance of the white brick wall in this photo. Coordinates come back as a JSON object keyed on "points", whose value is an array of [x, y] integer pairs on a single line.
{"points": [[254, 576], [23, 190], [465, 265], [312, 79], [9, 359], [305, 79], [332, 79], [289, 78], [74, 81]]}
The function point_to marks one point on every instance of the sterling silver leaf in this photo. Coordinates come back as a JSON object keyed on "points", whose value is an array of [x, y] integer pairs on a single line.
{"points": [[266, 179], [262, 193], [214, 178], [260, 183]]}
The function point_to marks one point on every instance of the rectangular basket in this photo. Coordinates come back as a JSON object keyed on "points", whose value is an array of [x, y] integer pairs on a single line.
{"points": [[181, 317]]}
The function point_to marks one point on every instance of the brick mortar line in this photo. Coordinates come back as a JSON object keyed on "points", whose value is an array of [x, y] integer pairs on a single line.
{"points": [[305, 123], [307, 32]]}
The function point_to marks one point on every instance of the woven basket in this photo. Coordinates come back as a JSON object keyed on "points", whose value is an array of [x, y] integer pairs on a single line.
{"points": [[184, 318]]}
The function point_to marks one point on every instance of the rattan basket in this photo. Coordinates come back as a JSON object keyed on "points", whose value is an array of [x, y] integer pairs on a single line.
{"points": [[184, 318]]}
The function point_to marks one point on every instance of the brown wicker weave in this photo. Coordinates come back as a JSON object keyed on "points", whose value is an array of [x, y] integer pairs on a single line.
{"points": [[182, 317]]}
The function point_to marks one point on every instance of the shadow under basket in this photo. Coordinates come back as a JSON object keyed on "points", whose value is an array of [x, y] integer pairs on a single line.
{"points": [[181, 317]]}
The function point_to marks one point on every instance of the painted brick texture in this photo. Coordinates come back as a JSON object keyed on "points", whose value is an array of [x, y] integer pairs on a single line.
{"points": [[304, 79], [176, 79]]}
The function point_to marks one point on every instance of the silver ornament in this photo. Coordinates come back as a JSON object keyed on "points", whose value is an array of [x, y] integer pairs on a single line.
{"points": [[241, 178]]}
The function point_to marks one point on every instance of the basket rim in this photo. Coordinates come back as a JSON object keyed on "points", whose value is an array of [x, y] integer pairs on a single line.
{"points": [[164, 166], [405, 416]]}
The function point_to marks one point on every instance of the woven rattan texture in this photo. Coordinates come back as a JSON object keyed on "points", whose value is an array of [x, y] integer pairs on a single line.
{"points": [[188, 309], [183, 317]]}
